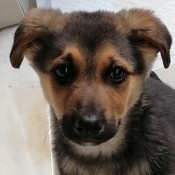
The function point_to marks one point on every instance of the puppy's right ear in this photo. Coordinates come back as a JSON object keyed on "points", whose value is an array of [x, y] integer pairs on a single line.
{"points": [[36, 25], [22, 40]]}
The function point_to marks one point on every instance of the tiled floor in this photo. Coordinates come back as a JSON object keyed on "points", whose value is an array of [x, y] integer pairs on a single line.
{"points": [[24, 147]]}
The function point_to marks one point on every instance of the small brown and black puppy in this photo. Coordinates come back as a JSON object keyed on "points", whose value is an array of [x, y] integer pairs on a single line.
{"points": [[108, 117]]}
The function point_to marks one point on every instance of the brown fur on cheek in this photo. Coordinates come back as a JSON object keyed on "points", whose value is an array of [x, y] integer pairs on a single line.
{"points": [[118, 100], [61, 98], [149, 55], [53, 95], [134, 90]]}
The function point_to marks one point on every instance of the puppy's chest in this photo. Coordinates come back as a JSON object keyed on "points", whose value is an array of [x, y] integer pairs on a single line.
{"points": [[71, 167], [74, 168]]}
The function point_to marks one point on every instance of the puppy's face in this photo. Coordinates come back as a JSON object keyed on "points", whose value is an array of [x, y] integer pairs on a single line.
{"points": [[91, 65]]}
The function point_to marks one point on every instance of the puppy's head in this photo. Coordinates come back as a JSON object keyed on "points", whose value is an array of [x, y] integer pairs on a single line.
{"points": [[91, 65]]}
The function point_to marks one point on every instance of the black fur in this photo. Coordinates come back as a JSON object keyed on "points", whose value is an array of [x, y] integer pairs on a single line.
{"points": [[47, 50]]}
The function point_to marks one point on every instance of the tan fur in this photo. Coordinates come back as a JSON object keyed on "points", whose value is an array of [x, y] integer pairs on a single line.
{"points": [[107, 53], [76, 53]]}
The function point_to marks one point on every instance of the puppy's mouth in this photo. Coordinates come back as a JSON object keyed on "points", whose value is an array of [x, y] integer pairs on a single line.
{"points": [[89, 133]]}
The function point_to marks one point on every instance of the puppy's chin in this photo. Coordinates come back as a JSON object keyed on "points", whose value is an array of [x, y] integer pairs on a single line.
{"points": [[90, 142], [104, 149]]}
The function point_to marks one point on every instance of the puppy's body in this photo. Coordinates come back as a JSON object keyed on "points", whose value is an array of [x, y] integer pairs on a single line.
{"points": [[148, 146], [107, 116]]}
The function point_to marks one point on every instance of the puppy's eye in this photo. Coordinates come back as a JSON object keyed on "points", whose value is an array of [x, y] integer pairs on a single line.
{"points": [[117, 75], [63, 74]]}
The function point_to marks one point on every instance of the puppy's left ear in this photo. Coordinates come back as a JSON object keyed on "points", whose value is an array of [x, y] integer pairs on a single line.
{"points": [[147, 32]]}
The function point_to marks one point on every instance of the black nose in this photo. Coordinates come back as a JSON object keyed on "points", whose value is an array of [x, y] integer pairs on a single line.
{"points": [[88, 125]]}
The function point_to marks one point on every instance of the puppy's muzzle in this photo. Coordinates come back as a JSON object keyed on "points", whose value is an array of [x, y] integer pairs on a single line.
{"points": [[88, 128]]}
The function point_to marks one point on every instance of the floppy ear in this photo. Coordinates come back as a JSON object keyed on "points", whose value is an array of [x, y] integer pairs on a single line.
{"points": [[36, 25], [145, 31], [22, 41]]}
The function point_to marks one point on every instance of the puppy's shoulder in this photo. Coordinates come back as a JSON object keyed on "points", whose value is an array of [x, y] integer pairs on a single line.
{"points": [[161, 97], [157, 87]]}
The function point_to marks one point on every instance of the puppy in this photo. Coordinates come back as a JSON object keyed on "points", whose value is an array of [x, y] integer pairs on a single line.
{"points": [[107, 116]]}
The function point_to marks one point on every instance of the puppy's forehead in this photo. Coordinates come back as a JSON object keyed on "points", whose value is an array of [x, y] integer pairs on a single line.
{"points": [[102, 57], [90, 29], [88, 35]]}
